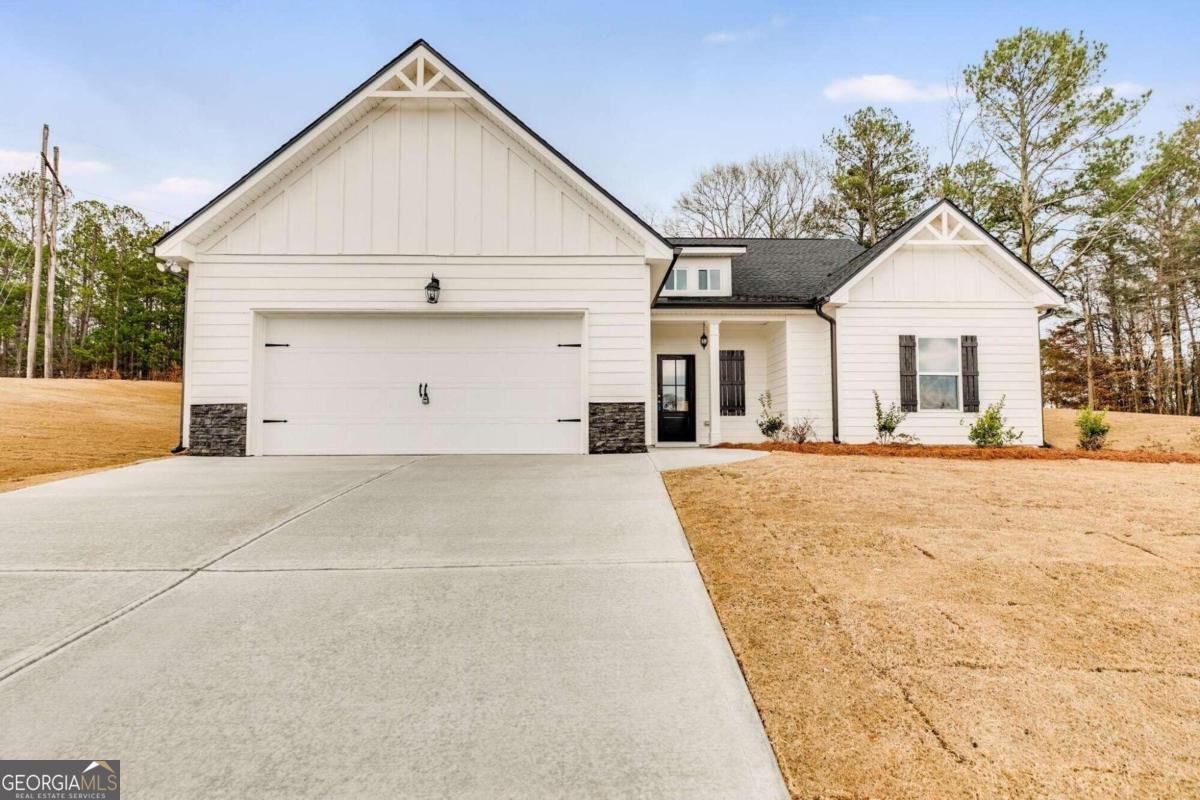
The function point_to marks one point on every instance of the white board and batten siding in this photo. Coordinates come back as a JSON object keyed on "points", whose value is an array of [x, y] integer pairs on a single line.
{"points": [[423, 177], [938, 292], [411, 190]]}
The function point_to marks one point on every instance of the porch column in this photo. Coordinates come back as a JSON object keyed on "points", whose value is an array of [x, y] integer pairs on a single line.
{"points": [[714, 381]]}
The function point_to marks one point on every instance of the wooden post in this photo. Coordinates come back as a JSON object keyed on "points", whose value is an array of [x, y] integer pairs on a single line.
{"points": [[39, 223], [48, 368]]}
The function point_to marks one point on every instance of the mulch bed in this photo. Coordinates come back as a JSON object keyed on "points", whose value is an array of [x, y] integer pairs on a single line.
{"points": [[970, 452]]}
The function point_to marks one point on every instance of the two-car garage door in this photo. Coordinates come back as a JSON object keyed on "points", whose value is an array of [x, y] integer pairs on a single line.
{"points": [[420, 383]]}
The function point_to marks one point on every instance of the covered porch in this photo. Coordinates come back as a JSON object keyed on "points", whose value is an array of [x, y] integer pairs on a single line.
{"points": [[707, 373]]}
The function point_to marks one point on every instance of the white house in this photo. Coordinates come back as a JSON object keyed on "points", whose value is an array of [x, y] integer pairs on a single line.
{"points": [[562, 321]]}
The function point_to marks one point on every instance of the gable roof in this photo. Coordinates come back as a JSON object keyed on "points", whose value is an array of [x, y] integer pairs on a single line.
{"points": [[246, 181], [844, 274], [772, 272]]}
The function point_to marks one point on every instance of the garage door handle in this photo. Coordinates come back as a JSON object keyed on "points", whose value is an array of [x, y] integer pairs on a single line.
{"points": [[277, 344], [574, 419], [274, 420]]}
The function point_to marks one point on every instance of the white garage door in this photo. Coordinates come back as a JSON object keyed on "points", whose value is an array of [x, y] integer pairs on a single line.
{"points": [[354, 384]]}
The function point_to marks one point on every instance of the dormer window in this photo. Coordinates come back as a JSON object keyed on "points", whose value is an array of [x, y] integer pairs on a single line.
{"points": [[708, 280], [702, 272], [676, 281]]}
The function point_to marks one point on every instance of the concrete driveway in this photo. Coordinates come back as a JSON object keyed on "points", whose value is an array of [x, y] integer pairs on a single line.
{"points": [[480, 627]]}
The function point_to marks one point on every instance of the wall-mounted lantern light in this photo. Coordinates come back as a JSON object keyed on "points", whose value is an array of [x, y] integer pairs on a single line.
{"points": [[703, 341], [433, 289]]}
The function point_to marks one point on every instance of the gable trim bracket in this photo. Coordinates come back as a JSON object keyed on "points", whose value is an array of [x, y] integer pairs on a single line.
{"points": [[1046, 294]]}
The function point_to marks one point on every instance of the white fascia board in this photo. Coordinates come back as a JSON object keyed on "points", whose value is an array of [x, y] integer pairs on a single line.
{"points": [[176, 248], [701, 250]]}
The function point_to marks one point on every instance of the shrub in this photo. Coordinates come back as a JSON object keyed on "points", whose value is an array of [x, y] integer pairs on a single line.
{"points": [[1093, 429], [800, 431], [886, 423], [769, 422], [990, 429]]}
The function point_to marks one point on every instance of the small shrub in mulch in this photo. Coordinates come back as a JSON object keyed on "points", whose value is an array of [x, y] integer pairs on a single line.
{"points": [[969, 452]]}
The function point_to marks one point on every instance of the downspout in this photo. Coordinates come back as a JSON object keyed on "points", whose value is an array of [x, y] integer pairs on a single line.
{"points": [[1041, 377], [819, 306], [164, 266], [179, 448]]}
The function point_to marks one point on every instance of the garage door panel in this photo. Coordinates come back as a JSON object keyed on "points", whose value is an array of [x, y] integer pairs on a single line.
{"points": [[302, 404], [392, 437], [349, 384]]}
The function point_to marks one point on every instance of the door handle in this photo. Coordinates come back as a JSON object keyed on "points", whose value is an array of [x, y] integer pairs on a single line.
{"points": [[423, 391]]}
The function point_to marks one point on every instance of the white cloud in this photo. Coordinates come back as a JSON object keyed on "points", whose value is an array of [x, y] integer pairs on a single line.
{"points": [[16, 160], [176, 187], [746, 34], [884, 89], [1126, 89]]}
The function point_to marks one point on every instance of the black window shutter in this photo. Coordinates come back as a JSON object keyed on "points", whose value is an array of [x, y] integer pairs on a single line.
{"points": [[908, 373], [733, 383], [970, 373]]}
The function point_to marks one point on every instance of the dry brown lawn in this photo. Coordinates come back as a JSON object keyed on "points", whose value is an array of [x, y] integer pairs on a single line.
{"points": [[53, 428], [944, 628], [1161, 433]]}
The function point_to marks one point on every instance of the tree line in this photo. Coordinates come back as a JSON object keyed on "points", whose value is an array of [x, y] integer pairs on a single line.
{"points": [[116, 314], [1039, 150]]}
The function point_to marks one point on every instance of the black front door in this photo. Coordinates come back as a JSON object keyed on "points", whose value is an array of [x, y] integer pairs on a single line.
{"points": [[676, 398]]}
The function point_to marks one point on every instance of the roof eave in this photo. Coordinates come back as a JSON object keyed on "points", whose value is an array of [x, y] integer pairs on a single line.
{"points": [[754, 304]]}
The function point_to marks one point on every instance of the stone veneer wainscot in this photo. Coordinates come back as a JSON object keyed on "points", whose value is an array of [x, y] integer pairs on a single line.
{"points": [[218, 429], [617, 428]]}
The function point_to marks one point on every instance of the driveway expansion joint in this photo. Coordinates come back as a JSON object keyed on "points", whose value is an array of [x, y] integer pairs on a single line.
{"points": [[21, 666]]}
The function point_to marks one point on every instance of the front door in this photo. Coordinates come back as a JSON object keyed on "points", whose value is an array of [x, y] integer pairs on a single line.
{"points": [[676, 398]]}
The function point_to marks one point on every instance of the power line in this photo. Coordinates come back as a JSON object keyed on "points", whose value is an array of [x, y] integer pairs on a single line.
{"points": [[118, 201]]}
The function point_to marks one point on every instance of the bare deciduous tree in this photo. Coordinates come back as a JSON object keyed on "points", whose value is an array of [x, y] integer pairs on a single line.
{"points": [[770, 196]]}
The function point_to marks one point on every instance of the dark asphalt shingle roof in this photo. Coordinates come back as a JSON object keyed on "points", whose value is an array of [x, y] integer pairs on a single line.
{"points": [[773, 271]]}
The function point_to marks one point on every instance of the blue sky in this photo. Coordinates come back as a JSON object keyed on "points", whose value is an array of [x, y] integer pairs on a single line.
{"points": [[160, 105]]}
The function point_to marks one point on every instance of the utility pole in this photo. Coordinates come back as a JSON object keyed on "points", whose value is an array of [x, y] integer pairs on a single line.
{"points": [[39, 222], [48, 368]]}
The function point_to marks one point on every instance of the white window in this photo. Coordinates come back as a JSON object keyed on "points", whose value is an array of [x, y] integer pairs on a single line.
{"points": [[938, 373], [676, 280], [708, 280]]}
